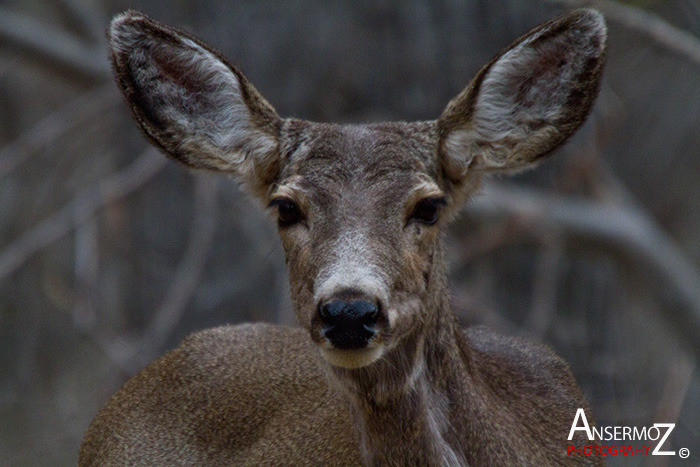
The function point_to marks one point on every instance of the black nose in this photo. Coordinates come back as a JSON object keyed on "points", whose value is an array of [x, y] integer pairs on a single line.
{"points": [[349, 325]]}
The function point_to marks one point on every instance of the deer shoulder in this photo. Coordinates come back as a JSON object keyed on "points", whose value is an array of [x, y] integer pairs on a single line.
{"points": [[253, 394], [529, 379]]}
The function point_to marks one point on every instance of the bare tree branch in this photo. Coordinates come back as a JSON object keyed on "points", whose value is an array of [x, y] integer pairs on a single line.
{"points": [[8, 62], [86, 268], [672, 38], [130, 352], [79, 209], [191, 267], [76, 112], [87, 15], [626, 227], [675, 391], [545, 289], [52, 44]]}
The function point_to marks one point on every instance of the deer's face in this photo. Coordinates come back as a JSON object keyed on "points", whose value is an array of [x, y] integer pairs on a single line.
{"points": [[359, 207], [358, 210]]}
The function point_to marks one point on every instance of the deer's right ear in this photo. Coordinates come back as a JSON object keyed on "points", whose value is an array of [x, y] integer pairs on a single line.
{"points": [[193, 104], [529, 100]]}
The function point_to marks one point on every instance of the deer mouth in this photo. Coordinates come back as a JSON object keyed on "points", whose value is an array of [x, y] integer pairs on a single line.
{"points": [[352, 358], [349, 347]]}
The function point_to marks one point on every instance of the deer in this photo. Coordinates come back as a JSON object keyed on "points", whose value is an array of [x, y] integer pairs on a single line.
{"points": [[378, 372]]}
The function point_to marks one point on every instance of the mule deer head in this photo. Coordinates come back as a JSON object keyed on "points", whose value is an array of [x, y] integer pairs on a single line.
{"points": [[360, 207]]}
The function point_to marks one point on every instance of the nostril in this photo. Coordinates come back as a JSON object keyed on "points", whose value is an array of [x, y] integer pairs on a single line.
{"points": [[367, 312], [332, 311]]}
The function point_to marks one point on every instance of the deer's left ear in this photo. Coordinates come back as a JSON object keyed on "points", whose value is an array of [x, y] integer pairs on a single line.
{"points": [[192, 103], [528, 100]]}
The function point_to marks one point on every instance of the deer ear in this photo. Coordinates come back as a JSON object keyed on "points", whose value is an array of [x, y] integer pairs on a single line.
{"points": [[529, 100], [191, 103]]}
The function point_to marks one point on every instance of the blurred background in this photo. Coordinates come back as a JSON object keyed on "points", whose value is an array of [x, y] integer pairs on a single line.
{"points": [[110, 253]]}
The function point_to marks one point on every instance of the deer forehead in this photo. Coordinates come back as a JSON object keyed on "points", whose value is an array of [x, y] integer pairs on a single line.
{"points": [[336, 166]]}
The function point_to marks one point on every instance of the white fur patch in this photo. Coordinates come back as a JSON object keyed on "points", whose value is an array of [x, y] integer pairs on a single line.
{"points": [[351, 359], [439, 423], [353, 267]]}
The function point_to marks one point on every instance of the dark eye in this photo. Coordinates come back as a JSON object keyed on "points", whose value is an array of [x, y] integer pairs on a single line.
{"points": [[427, 209], [288, 212]]}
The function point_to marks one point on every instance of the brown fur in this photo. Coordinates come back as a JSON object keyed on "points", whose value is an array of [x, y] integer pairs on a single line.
{"points": [[423, 391]]}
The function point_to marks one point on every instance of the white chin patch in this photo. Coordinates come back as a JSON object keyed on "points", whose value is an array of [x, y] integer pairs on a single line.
{"points": [[352, 358]]}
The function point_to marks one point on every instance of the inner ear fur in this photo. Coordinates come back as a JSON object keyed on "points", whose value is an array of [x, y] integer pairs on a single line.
{"points": [[528, 100], [191, 102]]}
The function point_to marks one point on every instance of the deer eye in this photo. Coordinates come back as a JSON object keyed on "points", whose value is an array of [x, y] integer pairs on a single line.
{"points": [[288, 212], [426, 210]]}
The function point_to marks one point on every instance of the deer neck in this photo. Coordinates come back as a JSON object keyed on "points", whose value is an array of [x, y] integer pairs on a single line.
{"points": [[402, 404]]}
